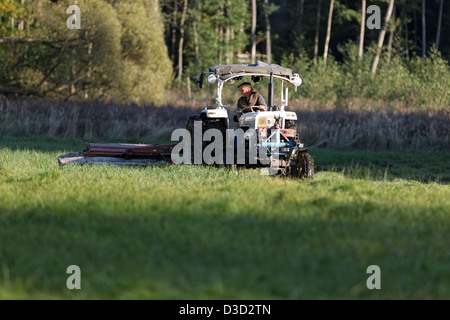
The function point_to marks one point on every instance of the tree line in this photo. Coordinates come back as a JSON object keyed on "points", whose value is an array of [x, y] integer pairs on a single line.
{"points": [[200, 33], [130, 50]]}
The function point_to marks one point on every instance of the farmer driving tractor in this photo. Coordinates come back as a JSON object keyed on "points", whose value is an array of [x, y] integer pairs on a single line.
{"points": [[249, 99]]}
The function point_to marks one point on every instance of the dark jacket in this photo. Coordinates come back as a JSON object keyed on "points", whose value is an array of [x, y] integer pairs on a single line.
{"points": [[244, 104]]}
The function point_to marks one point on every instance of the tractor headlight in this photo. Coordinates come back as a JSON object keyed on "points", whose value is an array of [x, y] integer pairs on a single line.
{"points": [[297, 80], [212, 79]]}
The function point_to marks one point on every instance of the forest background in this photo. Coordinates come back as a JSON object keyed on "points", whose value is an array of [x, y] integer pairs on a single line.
{"points": [[144, 52]]}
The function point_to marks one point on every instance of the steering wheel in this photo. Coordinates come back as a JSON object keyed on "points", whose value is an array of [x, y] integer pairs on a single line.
{"points": [[251, 109]]}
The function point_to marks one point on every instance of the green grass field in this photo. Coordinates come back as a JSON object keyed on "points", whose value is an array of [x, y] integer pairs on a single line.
{"points": [[194, 232]]}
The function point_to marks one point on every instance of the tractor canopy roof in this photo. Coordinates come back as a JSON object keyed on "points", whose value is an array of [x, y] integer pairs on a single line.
{"points": [[229, 70]]}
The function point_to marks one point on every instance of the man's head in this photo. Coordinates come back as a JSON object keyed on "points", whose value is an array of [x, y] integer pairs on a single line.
{"points": [[246, 88]]}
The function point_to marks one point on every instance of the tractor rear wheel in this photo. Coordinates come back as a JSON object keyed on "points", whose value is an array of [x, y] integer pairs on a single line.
{"points": [[305, 166]]}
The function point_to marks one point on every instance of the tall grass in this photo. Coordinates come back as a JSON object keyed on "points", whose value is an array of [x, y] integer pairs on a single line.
{"points": [[373, 129], [347, 125], [90, 119]]}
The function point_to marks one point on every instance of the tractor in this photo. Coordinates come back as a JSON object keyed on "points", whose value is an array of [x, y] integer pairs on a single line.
{"points": [[263, 139], [270, 138]]}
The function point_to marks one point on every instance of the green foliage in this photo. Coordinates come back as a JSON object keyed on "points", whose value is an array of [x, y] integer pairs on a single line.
{"points": [[145, 57], [119, 53], [421, 83], [11, 13], [212, 20], [113, 56], [344, 14], [101, 31], [292, 32], [431, 80], [11, 10]]}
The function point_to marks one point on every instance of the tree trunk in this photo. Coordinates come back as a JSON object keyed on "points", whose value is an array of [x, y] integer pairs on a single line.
{"points": [[391, 36], [228, 54], [37, 6], [72, 88], [300, 20], [21, 23], [174, 31], [268, 40], [89, 73], [220, 43], [188, 85], [253, 31], [415, 29], [424, 36], [228, 34], [316, 37], [406, 34], [232, 45], [196, 44], [327, 39], [241, 31], [361, 32], [381, 37], [438, 33], [219, 32], [180, 46]]}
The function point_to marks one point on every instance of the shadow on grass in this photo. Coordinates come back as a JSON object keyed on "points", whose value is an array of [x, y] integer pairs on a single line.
{"points": [[384, 165], [157, 254], [41, 143]]}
